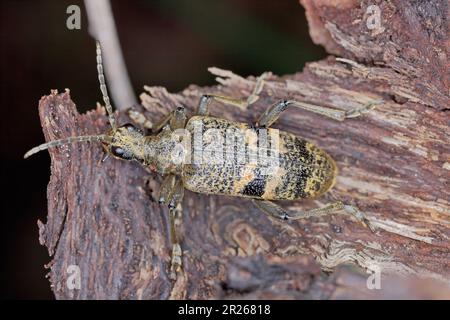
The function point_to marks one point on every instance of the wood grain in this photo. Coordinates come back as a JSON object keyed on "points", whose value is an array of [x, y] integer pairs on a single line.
{"points": [[394, 165]]}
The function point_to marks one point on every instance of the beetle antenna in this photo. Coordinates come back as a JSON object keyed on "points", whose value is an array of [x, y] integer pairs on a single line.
{"points": [[56, 143], [103, 89]]}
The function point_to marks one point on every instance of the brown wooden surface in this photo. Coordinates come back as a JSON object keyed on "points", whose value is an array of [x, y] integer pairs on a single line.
{"points": [[394, 165]]}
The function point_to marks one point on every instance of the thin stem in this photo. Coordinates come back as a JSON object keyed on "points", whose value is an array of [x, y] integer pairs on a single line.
{"points": [[103, 28]]}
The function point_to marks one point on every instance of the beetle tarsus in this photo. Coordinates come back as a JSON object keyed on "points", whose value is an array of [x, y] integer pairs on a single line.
{"points": [[175, 261], [273, 112]]}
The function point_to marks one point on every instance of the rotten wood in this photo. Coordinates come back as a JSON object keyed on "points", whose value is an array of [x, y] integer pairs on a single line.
{"points": [[405, 42], [394, 165]]}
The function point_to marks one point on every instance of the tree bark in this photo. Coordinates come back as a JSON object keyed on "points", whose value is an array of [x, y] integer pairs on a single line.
{"points": [[394, 165]]}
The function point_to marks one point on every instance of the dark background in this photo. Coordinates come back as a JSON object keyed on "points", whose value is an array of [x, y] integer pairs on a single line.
{"points": [[166, 42]]}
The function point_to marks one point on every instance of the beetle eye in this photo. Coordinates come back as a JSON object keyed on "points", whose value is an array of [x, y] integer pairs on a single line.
{"points": [[117, 151], [120, 153], [129, 127]]}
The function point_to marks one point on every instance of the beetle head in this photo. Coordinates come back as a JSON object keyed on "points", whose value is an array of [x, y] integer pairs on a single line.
{"points": [[125, 143]]}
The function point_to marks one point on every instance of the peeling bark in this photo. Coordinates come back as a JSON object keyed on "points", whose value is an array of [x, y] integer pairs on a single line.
{"points": [[394, 165], [408, 38]]}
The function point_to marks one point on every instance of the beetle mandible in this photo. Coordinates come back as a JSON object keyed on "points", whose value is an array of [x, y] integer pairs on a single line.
{"points": [[302, 169]]}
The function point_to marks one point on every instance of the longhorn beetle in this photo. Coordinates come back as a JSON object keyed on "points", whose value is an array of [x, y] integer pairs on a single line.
{"points": [[302, 170]]}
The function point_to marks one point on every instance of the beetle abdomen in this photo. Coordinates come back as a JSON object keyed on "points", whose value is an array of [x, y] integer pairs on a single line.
{"points": [[263, 163], [305, 171]]}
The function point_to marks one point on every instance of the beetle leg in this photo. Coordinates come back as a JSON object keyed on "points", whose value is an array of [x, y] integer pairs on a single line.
{"points": [[274, 210], [140, 119], [175, 210], [206, 99], [273, 112], [171, 193], [159, 125], [178, 119], [175, 261], [176, 194], [166, 188]]}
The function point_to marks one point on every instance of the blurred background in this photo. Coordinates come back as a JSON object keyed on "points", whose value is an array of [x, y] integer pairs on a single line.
{"points": [[167, 43]]}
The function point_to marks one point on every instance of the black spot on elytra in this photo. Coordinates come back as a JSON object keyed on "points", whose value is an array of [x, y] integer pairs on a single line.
{"points": [[257, 186]]}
